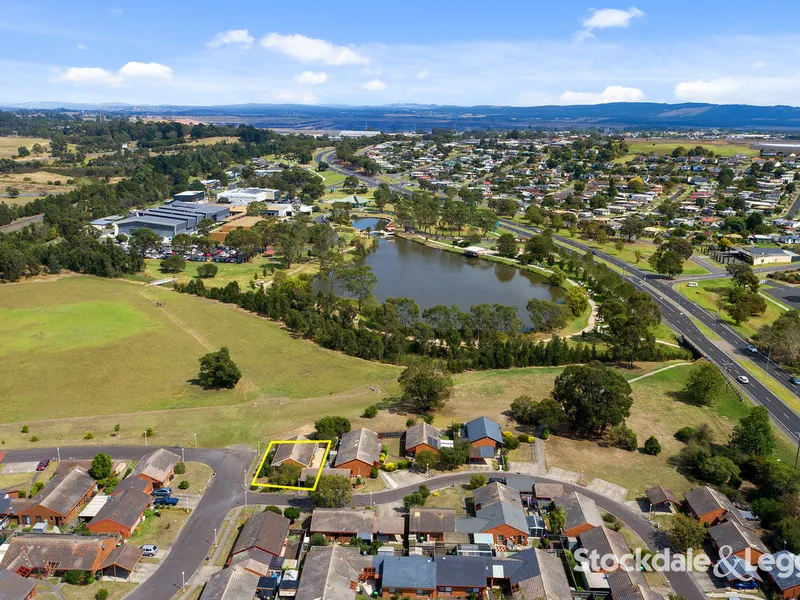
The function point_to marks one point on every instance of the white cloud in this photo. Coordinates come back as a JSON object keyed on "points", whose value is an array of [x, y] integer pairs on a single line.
{"points": [[311, 50], [312, 77], [90, 76], [611, 17], [376, 85], [240, 37], [292, 97], [81, 47], [424, 74], [115, 11], [149, 70], [613, 93], [722, 89]]}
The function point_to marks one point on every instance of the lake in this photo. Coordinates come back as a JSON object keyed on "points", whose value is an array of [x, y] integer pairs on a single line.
{"points": [[431, 277]]}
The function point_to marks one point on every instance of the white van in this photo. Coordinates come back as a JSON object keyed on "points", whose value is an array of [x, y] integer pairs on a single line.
{"points": [[692, 284]]}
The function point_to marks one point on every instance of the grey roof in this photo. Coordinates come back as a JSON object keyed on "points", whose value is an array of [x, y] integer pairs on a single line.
{"points": [[549, 490], [15, 587], [703, 500], [431, 520], [521, 483], [630, 585], [69, 551], [125, 556], [468, 571], [157, 465], [125, 508], [152, 221], [604, 542], [480, 428], [736, 537], [342, 520], [328, 572], [785, 580], [422, 433], [659, 494], [233, 583], [130, 484], [471, 524], [64, 492], [418, 572], [502, 513], [497, 492], [300, 453], [265, 530], [579, 510], [360, 444]]}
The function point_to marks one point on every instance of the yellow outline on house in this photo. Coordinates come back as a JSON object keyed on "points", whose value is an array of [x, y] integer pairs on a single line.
{"points": [[327, 443]]}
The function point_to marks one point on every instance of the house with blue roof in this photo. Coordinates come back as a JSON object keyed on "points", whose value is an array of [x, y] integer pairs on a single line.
{"points": [[483, 432], [785, 573]]}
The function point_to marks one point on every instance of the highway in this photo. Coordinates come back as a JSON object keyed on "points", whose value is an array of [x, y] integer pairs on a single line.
{"points": [[226, 492], [676, 309]]}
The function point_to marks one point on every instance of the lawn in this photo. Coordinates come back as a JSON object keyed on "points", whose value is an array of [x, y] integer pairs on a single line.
{"points": [[242, 273], [452, 497], [108, 350], [707, 294], [116, 590], [161, 530], [197, 474], [656, 411], [16, 480], [664, 147]]}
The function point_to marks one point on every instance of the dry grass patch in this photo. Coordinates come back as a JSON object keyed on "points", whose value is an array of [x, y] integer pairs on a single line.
{"points": [[116, 590], [9, 147]]}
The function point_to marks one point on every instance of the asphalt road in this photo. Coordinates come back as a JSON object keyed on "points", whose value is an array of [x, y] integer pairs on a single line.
{"points": [[678, 319], [789, 295], [227, 491]]}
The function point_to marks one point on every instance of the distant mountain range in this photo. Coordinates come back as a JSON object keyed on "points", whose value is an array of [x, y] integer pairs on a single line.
{"points": [[406, 117]]}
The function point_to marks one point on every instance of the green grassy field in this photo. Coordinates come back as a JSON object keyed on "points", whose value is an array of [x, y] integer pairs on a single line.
{"points": [[664, 147], [706, 295], [88, 348], [242, 273]]}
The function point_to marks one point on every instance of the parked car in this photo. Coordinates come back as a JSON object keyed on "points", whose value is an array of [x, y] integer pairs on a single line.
{"points": [[42, 465], [164, 491], [752, 349], [794, 380], [691, 284], [745, 585], [150, 549], [166, 501], [742, 379]]}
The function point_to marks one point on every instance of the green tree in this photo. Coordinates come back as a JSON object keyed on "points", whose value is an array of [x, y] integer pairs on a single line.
{"points": [[174, 263], [333, 491], [593, 396], [351, 182], [13, 192], [666, 262], [632, 227], [425, 460], [101, 466], [182, 243], [684, 533], [145, 240], [205, 226], [576, 300], [319, 539], [623, 437], [547, 316], [652, 446], [558, 519], [753, 434], [331, 428], [425, 387], [359, 281], [285, 474], [478, 480], [705, 384], [217, 370], [507, 245], [23, 151], [292, 513], [207, 270]]}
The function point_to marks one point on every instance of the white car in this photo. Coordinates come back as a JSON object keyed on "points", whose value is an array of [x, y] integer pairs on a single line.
{"points": [[742, 379], [692, 284]]}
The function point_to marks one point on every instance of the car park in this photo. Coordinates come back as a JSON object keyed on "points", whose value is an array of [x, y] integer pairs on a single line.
{"points": [[150, 549], [742, 379]]}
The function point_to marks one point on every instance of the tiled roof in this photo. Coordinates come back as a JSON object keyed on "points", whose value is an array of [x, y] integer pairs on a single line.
{"points": [[423, 433], [480, 428], [659, 494], [431, 520], [15, 587], [604, 542], [125, 508], [497, 492], [157, 465], [342, 520], [265, 530], [82, 553], [417, 572], [360, 444], [502, 513], [792, 577], [579, 510], [233, 583], [549, 490], [125, 555], [736, 537], [300, 453], [64, 492], [630, 585], [328, 572]]}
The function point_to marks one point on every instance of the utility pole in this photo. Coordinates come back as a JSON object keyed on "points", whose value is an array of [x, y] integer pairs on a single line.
{"points": [[58, 454], [195, 440], [796, 456], [769, 355], [145, 437]]}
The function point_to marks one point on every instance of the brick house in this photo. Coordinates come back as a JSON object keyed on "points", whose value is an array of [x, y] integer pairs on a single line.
{"points": [[431, 524], [707, 505], [787, 582], [16, 587], [581, 513], [738, 541], [359, 451], [59, 502], [156, 468], [422, 437], [483, 432], [121, 514], [301, 455], [53, 554], [343, 524], [262, 537]]}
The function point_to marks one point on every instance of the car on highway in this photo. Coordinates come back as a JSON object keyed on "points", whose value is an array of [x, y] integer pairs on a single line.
{"points": [[794, 380], [742, 379], [150, 549], [752, 349]]}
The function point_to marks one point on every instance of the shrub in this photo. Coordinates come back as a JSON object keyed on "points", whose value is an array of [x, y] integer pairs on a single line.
{"points": [[89, 436], [318, 539], [273, 508], [685, 434], [101, 594], [389, 467], [652, 446], [36, 488], [180, 468], [25, 429], [524, 438], [292, 513], [35, 438], [370, 412], [609, 518], [183, 485], [545, 432], [410, 422], [623, 437], [374, 473], [424, 491], [415, 499], [478, 480], [403, 463], [510, 442]]}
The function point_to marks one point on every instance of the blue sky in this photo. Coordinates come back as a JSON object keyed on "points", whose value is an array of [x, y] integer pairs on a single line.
{"points": [[505, 52]]}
